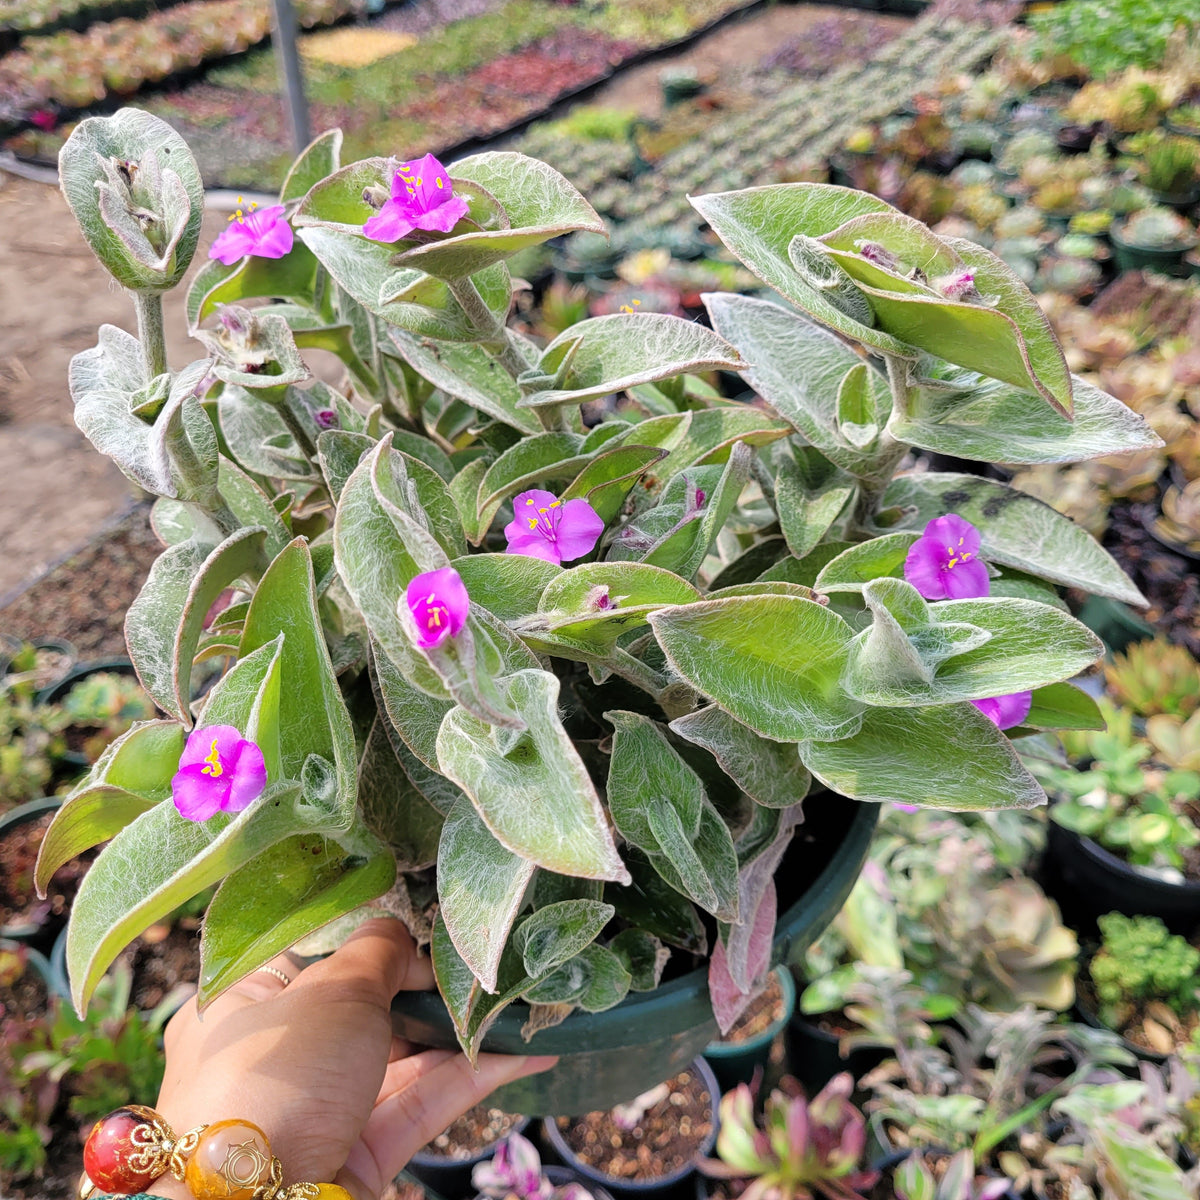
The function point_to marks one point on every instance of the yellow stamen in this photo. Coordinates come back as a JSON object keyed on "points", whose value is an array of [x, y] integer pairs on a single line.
{"points": [[533, 524], [439, 181], [418, 181], [213, 759], [435, 618]]}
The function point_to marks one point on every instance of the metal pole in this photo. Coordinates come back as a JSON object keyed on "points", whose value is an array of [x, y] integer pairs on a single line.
{"points": [[284, 37]]}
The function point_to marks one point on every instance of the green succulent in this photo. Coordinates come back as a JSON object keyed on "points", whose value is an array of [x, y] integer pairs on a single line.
{"points": [[1139, 961]]}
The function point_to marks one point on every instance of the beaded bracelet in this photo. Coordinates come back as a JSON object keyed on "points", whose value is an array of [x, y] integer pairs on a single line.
{"points": [[229, 1160]]}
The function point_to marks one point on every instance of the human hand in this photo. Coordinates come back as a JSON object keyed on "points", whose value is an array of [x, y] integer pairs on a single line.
{"points": [[315, 1066]]}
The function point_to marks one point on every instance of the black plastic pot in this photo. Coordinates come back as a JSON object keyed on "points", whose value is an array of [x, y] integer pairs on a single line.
{"points": [[735, 1062], [58, 692], [814, 1058], [1180, 201], [679, 1185], [1131, 257], [452, 1176], [610, 1057], [1087, 881], [25, 814]]}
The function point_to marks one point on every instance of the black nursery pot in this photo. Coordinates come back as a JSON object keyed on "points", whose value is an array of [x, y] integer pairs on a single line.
{"points": [[610, 1057], [814, 1058], [40, 933], [1088, 881], [451, 1177], [57, 692], [679, 1185]]}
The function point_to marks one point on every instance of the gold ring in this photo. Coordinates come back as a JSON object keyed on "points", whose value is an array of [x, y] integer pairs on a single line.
{"points": [[276, 972]]}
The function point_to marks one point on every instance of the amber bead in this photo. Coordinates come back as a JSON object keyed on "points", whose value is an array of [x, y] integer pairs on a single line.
{"points": [[108, 1151], [231, 1159], [331, 1191]]}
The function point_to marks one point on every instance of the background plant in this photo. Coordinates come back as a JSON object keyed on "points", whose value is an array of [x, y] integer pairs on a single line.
{"points": [[1140, 961]]}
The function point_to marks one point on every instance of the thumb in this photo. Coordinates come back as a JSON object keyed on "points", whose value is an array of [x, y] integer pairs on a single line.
{"points": [[378, 960]]}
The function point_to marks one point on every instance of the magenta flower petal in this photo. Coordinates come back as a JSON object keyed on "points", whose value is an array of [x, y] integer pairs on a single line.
{"points": [[388, 225], [232, 244], [197, 797], [1006, 711], [579, 529], [219, 771], [422, 198], [943, 563], [247, 779], [968, 580], [264, 233], [439, 604], [545, 527], [444, 217], [923, 568]]}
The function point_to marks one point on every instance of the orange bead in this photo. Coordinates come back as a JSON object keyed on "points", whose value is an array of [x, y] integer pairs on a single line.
{"points": [[331, 1191], [231, 1159]]}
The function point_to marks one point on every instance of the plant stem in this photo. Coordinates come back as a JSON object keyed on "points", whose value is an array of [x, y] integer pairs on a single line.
{"points": [[150, 332], [889, 451], [489, 327], [298, 432]]}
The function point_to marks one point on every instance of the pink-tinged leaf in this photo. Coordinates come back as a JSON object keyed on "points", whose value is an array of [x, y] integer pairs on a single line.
{"points": [[797, 1129], [744, 946], [728, 1000]]}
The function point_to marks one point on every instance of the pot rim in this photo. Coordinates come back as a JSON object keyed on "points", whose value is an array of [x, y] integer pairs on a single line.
{"points": [[787, 985]]}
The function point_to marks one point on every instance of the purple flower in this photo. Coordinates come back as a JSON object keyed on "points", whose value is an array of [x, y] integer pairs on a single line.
{"points": [[327, 418], [219, 771], [263, 232], [1006, 711], [422, 198], [908, 808], [545, 527], [944, 564], [439, 604]]}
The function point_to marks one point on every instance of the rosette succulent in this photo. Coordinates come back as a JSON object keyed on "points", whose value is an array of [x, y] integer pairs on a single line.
{"points": [[540, 726]]}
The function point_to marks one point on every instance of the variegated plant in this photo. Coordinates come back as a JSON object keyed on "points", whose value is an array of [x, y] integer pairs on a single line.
{"points": [[588, 755]]}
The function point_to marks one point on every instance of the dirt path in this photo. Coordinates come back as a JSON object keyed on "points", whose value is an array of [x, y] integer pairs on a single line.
{"points": [[56, 492]]}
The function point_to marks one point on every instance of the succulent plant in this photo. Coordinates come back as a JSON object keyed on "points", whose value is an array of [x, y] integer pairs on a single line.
{"points": [[1157, 228], [515, 1172], [109, 703], [1092, 223], [1170, 164], [1057, 197], [1155, 676], [913, 1180], [1179, 522], [805, 1149], [1140, 961]]}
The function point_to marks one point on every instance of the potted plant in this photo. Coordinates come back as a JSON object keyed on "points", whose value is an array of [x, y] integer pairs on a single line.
{"points": [[1122, 834], [394, 696], [648, 1147], [1185, 120], [1143, 983], [1113, 1137], [802, 1150], [1169, 168], [447, 1164], [516, 1172], [993, 1078], [1155, 677], [100, 702], [1153, 237], [736, 1055]]}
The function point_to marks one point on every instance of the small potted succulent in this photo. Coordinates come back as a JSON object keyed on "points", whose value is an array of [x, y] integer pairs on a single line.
{"points": [[1178, 524], [1170, 168], [1123, 834], [1155, 238], [420, 572], [516, 1172], [1143, 983], [649, 1147], [447, 1165], [803, 1150], [1184, 120]]}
